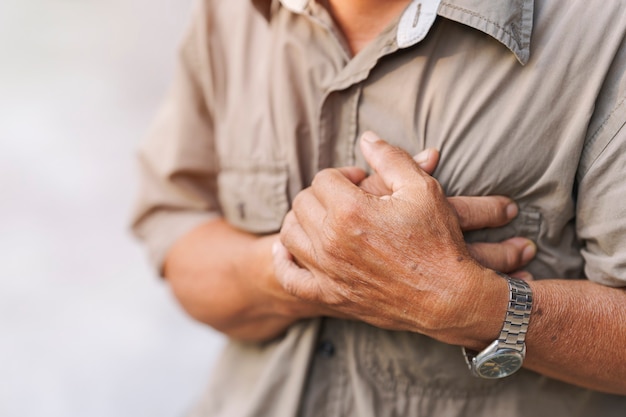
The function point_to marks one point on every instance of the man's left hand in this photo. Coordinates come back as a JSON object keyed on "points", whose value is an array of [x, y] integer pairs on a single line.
{"points": [[396, 261]]}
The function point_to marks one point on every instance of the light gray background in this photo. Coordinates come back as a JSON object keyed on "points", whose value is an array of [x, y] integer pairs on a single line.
{"points": [[86, 330]]}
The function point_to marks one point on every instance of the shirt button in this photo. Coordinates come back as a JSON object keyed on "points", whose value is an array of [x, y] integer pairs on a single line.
{"points": [[326, 349]]}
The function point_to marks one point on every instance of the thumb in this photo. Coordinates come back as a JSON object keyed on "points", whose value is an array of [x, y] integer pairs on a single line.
{"points": [[391, 163], [427, 160]]}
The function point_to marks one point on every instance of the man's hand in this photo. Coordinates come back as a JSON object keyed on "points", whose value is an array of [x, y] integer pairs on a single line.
{"points": [[397, 261], [475, 213]]}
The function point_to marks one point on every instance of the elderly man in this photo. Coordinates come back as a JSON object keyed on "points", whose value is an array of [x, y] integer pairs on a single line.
{"points": [[371, 301]]}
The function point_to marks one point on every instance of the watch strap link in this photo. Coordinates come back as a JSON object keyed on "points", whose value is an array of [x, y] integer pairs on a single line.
{"points": [[517, 317]]}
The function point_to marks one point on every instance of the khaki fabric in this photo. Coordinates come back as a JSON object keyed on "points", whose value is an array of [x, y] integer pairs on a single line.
{"points": [[523, 98]]}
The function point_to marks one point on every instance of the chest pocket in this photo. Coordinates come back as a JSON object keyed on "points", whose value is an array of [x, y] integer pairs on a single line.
{"points": [[253, 197]]}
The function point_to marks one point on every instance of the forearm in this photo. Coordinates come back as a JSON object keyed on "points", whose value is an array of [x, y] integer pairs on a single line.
{"points": [[399, 262], [578, 334], [224, 278]]}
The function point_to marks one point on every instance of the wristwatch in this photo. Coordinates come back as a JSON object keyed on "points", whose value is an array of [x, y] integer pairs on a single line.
{"points": [[505, 355]]}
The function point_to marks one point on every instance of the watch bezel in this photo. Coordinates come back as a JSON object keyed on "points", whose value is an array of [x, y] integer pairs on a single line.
{"points": [[496, 351]]}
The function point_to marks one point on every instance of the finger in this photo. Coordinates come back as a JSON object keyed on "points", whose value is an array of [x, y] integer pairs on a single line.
{"points": [[523, 275], [354, 174], [427, 160], [310, 215], [332, 188], [391, 163], [507, 256], [301, 284], [293, 237], [295, 280], [480, 212], [374, 185]]}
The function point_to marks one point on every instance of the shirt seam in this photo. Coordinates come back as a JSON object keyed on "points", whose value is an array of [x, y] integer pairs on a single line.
{"points": [[481, 17], [594, 137], [515, 38]]}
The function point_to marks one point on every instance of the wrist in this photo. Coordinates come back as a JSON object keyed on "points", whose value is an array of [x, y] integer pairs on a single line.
{"points": [[484, 303], [505, 355]]}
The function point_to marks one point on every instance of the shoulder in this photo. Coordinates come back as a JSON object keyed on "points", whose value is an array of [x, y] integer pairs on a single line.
{"points": [[581, 17], [228, 15]]}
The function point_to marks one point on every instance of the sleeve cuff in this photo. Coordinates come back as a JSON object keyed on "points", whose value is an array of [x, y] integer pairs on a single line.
{"points": [[161, 230]]}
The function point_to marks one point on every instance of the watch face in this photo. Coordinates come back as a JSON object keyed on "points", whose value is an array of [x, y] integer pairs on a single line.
{"points": [[499, 364]]}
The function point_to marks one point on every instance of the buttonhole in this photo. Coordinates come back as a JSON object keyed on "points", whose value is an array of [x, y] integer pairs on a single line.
{"points": [[417, 14]]}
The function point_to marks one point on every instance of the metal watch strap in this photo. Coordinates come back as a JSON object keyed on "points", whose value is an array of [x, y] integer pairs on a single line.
{"points": [[515, 326], [513, 333]]}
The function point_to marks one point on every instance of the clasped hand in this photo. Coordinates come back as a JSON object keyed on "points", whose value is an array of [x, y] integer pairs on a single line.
{"points": [[389, 249]]}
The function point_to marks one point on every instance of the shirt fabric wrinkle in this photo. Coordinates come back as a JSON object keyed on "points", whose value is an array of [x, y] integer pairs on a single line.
{"points": [[264, 98]]}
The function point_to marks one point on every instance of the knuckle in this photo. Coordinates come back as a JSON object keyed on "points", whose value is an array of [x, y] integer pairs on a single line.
{"points": [[432, 185], [300, 201], [346, 213], [288, 222], [346, 229], [322, 177]]}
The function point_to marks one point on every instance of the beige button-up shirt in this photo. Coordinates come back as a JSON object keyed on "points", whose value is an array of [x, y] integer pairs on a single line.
{"points": [[523, 98]]}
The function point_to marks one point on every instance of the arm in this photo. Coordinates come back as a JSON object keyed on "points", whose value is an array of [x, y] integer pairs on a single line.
{"points": [[399, 262], [579, 327], [225, 277], [578, 334], [222, 276]]}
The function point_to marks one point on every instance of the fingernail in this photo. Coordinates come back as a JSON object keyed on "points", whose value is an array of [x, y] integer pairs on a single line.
{"points": [[511, 211], [529, 252], [423, 157], [370, 137]]}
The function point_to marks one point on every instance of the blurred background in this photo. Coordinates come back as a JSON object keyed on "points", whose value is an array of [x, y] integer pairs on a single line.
{"points": [[86, 329]]}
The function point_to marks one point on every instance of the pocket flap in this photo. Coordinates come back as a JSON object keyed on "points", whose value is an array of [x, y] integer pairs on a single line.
{"points": [[254, 198]]}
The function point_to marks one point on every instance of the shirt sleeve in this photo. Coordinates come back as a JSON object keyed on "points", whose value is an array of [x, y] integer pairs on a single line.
{"points": [[601, 199], [177, 162]]}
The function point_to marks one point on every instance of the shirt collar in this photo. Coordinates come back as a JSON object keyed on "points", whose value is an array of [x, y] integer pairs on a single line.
{"points": [[510, 22]]}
